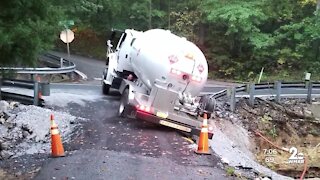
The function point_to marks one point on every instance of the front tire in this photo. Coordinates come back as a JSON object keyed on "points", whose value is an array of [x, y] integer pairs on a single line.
{"points": [[105, 88], [124, 103]]}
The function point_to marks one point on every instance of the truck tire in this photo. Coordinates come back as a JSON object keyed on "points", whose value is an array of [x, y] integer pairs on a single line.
{"points": [[207, 105], [123, 103], [105, 88]]}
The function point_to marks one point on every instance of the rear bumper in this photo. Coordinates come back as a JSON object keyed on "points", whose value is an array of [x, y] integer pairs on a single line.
{"points": [[170, 123]]}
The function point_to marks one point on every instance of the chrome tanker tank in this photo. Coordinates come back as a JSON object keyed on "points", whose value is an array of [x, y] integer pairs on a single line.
{"points": [[158, 54]]}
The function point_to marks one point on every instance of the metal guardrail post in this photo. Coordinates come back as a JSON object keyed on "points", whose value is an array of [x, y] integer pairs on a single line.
{"points": [[61, 62], [36, 93], [247, 88], [277, 86], [233, 99], [251, 94], [307, 82], [309, 99]]}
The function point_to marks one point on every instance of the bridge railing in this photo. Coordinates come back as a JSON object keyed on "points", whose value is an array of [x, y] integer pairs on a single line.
{"points": [[251, 90], [61, 66], [58, 65], [39, 89]]}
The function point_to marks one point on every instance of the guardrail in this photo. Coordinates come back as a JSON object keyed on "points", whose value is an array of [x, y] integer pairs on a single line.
{"points": [[64, 66], [39, 88], [277, 88]]}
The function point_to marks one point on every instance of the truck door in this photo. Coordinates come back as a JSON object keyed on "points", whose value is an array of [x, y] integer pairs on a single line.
{"points": [[123, 51]]}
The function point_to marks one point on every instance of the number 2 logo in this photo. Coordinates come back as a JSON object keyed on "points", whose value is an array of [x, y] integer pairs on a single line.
{"points": [[294, 154]]}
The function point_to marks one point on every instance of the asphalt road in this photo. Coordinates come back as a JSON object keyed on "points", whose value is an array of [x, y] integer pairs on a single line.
{"points": [[91, 67], [109, 147]]}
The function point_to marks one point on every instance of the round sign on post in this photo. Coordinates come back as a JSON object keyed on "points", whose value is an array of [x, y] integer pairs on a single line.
{"points": [[67, 36]]}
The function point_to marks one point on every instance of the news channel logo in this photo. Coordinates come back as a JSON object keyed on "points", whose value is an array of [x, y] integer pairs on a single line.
{"points": [[295, 158]]}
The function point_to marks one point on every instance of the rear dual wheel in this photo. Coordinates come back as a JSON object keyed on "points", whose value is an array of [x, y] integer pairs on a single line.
{"points": [[207, 106]]}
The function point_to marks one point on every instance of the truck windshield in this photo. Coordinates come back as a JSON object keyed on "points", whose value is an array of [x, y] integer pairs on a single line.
{"points": [[114, 38]]}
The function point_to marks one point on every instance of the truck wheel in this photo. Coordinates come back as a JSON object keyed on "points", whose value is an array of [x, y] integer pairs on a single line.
{"points": [[105, 88], [123, 103], [207, 105]]}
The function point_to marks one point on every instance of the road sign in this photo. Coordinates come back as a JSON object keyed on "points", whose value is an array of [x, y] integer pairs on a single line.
{"points": [[66, 23], [67, 36]]}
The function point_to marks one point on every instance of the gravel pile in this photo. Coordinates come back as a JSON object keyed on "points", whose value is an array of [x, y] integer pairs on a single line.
{"points": [[26, 129]]}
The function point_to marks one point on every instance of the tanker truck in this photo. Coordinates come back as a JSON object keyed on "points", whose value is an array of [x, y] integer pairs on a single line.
{"points": [[159, 76]]}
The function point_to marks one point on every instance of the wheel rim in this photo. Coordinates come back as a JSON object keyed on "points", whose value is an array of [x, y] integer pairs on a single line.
{"points": [[121, 108]]}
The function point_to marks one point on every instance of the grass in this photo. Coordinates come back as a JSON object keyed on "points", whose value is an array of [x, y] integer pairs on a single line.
{"points": [[273, 132], [230, 171]]}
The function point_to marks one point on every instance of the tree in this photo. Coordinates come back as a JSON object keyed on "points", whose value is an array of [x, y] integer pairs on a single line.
{"points": [[185, 19], [27, 28], [250, 34]]}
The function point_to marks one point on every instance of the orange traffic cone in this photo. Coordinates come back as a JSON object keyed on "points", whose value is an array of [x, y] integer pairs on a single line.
{"points": [[203, 144], [56, 143]]}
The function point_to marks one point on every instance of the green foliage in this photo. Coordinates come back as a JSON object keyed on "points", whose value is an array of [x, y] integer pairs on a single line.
{"points": [[230, 171], [276, 35], [273, 132], [27, 27], [185, 19], [238, 37]]}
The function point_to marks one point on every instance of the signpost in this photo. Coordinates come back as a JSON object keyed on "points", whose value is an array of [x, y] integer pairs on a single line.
{"points": [[67, 36]]}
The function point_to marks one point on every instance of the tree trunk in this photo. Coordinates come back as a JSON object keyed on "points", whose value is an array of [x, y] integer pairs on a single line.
{"points": [[201, 34]]}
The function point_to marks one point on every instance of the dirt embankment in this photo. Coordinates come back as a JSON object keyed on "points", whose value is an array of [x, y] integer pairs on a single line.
{"points": [[292, 128]]}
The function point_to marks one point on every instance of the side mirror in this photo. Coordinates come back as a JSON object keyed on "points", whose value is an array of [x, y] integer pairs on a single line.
{"points": [[107, 61], [109, 44]]}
